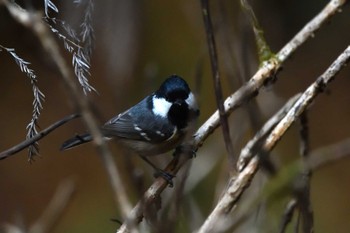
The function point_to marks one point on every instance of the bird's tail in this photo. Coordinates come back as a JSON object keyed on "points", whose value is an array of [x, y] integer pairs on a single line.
{"points": [[75, 141]]}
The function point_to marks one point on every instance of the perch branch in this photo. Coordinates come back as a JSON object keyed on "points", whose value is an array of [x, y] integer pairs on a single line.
{"points": [[249, 90]]}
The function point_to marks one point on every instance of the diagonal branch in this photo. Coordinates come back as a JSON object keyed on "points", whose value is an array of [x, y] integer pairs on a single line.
{"points": [[55, 208], [238, 184], [17, 148], [33, 21], [246, 92]]}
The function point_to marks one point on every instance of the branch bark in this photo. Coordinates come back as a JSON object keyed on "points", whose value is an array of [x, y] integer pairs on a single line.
{"points": [[238, 184], [17, 148], [33, 20], [246, 92]]}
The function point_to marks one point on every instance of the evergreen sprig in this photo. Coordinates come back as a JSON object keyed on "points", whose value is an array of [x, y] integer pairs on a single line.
{"points": [[39, 97], [80, 45], [49, 5]]}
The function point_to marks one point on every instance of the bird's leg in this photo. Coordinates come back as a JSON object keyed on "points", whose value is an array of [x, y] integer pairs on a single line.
{"points": [[185, 149], [159, 172]]}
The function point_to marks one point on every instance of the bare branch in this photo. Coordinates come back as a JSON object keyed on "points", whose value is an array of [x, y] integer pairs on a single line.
{"points": [[254, 144], [287, 215], [38, 136], [302, 188], [231, 103], [217, 84], [238, 184], [34, 22], [55, 209], [328, 154]]}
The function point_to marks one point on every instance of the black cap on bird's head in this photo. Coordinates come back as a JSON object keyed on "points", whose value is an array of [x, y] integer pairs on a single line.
{"points": [[173, 89], [174, 97]]}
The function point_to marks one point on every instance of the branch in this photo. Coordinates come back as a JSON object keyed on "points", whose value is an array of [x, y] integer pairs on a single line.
{"points": [[39, 97], [34, 22], [217, 83], [302, 190], [254, 145], [238, 184], [287, 179], [328, 154], [17, 148], [55, 208], [246, 92], [288, 215], [50, 216]]}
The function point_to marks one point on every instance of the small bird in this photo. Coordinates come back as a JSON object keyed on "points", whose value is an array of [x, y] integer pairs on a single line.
{"points": [[155, 125]]}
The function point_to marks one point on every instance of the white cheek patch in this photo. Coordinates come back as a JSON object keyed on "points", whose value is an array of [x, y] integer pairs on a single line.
{"points": [[191, 101], [160, 106]]}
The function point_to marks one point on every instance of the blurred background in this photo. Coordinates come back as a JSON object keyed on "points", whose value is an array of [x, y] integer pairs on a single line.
{"points": [[138, 44]]}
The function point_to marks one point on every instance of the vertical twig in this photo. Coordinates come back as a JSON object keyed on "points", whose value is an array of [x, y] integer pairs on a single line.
{"points": [[288, 215], [303, 192], [217, 84]]}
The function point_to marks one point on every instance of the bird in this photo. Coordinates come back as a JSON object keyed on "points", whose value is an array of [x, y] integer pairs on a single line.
{"points": [[157, 124]]}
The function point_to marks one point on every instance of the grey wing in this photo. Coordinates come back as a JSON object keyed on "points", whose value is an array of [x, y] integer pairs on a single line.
{"points": [[135, 126], [122, 126]]}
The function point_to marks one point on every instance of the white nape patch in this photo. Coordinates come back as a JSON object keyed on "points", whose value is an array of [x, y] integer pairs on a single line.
{"points": [[160, 106], [191, 101]]}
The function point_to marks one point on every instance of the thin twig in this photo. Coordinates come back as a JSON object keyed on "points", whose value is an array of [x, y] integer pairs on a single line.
{"points": [[268, 69], [217, 84], [290, 174], [39, 97], [231, 103], [303, 186], [55, 208], [328, 154], [17, 148], [253, 145], [287, 215]]}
